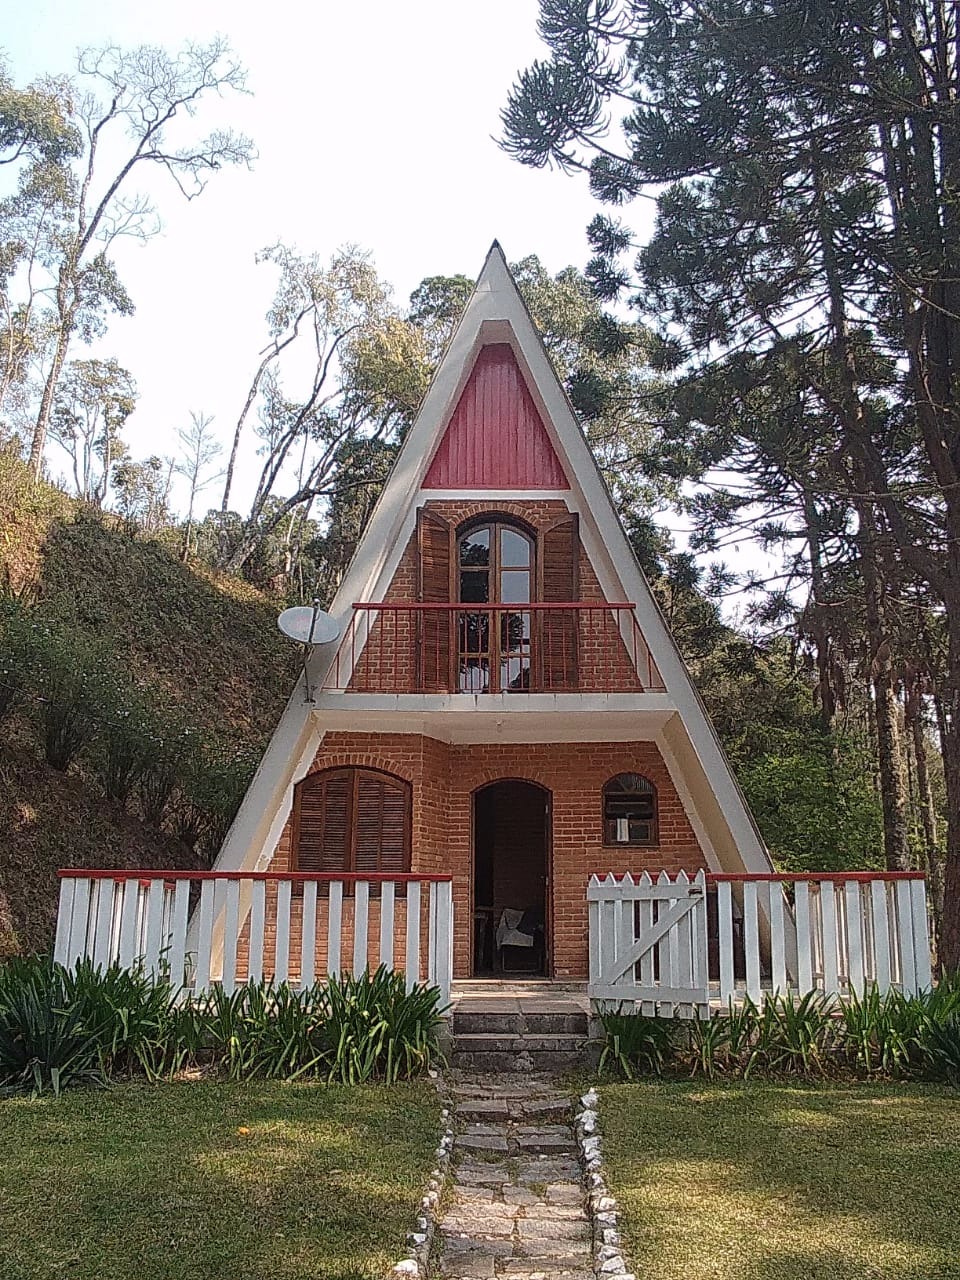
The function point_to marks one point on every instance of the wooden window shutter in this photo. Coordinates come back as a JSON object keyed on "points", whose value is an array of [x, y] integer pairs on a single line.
{"points": [[436, 564], [351, 820], [559, 582], [321, 837], [382, 824]]}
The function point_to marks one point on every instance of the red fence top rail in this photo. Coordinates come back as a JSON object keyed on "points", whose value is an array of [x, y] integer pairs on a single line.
{"points": [[520, 607], [149, 873], [767, 877]]}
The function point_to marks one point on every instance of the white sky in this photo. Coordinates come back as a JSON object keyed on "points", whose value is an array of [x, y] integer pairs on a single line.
{"points": [[374, 123]]}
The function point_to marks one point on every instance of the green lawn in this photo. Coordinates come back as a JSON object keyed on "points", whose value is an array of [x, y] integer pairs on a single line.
{"points": [[754, 1181], [162, 1183]]}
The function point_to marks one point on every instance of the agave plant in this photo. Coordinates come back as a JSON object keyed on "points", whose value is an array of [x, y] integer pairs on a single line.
{"points": [[45, 1044], [634, 1043], [375, 1028], [793, 1033], [708, 1045]]}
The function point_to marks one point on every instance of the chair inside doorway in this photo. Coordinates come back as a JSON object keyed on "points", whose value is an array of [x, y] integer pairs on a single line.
{"points": [[511, 842]]}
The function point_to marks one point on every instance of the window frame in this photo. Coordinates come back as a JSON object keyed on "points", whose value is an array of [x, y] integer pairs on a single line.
{"points": [[355, 773], [654, 840], [495, 522]]}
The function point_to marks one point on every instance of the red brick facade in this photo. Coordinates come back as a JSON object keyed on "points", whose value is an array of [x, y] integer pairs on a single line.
{"points": [[388, 662], [444, 778]]}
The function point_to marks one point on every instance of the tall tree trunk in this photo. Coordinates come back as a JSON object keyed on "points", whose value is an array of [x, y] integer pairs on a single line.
{"points": [[933, 863], [42, 424], [817, 626], [950, 935], [893, 787]]}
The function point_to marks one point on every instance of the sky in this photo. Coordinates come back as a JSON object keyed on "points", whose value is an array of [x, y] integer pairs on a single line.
{"points": [[375, 124]]}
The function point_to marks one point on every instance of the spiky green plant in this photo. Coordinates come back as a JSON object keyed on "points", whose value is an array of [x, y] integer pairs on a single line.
{"points": [[708, 1046], [634, 1044]]}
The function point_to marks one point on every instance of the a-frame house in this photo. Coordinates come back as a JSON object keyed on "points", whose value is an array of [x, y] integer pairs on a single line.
{"points": [[505, 704]]}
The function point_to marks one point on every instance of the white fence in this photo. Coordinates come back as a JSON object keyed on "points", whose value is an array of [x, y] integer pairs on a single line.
{"points": [[679, 945], [211, 927]]}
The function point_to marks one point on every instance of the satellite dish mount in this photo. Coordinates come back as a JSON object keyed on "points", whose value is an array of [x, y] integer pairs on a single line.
{"points": [[309, 627]]}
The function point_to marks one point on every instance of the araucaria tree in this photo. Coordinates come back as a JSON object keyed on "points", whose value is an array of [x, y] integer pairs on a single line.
{"points": [[805, 164], [80, 147]]}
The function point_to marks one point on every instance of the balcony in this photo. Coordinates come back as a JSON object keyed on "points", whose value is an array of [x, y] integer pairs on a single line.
{"points": [[493, 649]]}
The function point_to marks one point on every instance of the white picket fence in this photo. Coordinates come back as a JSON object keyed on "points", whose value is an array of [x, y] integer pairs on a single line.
{"points": [[201, 928], [682, 945]]}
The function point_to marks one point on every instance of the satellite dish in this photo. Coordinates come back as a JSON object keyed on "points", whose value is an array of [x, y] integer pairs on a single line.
{"points": [[308, 625]]}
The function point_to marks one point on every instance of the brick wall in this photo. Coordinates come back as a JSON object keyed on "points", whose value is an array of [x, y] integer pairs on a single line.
{"points": [[444, 777], [388, 661]]}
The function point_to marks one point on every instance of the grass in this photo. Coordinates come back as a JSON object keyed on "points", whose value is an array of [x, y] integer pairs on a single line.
{"points": [[163, 1183], [760, 1181]]}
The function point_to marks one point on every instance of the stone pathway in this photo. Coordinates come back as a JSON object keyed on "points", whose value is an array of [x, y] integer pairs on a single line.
{"points": [[518, 1205]]}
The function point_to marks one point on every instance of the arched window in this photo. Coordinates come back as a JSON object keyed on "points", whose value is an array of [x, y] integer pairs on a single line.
{"points": [[351, 821], [495, 566], [630, 811]]}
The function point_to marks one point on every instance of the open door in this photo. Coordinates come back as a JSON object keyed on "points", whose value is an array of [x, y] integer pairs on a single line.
{"points": [[511, 907]]}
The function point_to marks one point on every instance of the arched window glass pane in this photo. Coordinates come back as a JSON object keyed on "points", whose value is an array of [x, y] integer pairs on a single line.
{"points": [[514, 549], [515, 586], [475, 549]]}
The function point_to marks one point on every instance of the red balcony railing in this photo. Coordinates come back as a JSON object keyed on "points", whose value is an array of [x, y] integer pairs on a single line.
{"points": [[571, 647]]}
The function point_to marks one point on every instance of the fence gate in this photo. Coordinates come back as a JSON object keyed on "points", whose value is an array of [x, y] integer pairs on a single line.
{"points": [[648, 943]]}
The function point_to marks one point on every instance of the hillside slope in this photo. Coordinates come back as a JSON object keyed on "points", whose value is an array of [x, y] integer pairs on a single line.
{"points": [[203, 646]]}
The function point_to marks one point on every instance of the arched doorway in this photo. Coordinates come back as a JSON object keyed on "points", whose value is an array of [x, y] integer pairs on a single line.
{"points": [[511, 878]]}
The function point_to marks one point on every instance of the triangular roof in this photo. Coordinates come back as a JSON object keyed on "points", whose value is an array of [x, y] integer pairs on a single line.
{"points": [[496, 315]]}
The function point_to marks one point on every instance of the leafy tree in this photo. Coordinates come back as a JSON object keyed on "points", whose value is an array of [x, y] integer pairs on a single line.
{"points": [[94, 400], [143, 491], [804, 162], [341, 313], [80, 144], [199, 452]]}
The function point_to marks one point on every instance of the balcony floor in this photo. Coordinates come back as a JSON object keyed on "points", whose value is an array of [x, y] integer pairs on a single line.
{"points": [[511, 717]]}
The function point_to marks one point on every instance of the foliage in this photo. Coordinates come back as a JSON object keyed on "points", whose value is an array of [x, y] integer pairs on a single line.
{"points": [[46, 1043], [93, 401], [374, 1027], [61, 1027], [635, 1043], [808, 1036]]}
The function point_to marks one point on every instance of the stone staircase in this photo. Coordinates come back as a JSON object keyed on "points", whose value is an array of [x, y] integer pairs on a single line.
{"points": [[515, 1030], [517, 1205]]}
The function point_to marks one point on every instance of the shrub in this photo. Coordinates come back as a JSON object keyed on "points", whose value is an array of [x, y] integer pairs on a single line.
{"points": [[634, 1043], [66, 674], [375, 1028], [15, 653], [89, 1025], [124, 738], [894, 1035], [45, 1041]]}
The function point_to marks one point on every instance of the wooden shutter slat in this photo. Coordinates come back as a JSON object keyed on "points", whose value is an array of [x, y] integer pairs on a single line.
{"points": [[436, 562], [559, 582]]}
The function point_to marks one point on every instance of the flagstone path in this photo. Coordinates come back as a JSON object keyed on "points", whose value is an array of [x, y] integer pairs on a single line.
{"points": [[517, 1207]]}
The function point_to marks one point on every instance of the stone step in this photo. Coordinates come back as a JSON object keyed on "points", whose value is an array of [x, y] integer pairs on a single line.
{"points": [[483, 1042], [497, 1022], [556, 1060]]}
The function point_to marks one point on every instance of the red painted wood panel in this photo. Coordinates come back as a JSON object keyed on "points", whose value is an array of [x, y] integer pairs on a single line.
{"points": [[496, 438]]}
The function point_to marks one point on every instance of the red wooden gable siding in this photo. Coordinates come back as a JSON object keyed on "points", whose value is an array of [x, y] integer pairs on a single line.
{"points": [[496, 438]]}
